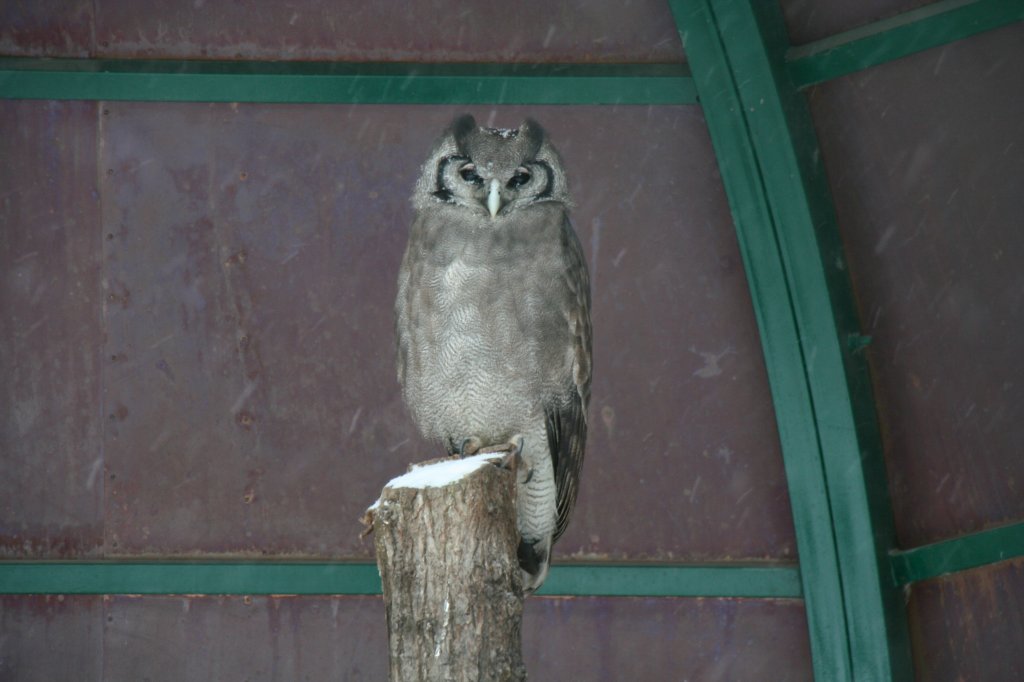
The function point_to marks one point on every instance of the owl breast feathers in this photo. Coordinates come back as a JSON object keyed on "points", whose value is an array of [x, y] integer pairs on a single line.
{"points": [[493, 318]]}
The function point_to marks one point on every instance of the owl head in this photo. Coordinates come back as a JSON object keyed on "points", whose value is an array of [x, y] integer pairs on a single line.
{"points": [[492, 172]]}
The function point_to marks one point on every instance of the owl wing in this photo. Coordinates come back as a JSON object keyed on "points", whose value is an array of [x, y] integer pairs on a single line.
{"points": [[410, 272], [566, 419]]}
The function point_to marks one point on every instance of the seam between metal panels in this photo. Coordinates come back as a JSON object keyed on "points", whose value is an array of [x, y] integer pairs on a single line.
{"points": [[753, 581], [101, 296]]}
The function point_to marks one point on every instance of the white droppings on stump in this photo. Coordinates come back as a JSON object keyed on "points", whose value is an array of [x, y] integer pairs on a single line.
{"points": [[440, 474]]}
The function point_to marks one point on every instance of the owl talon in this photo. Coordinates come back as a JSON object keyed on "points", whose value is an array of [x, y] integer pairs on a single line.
{"points": [[514, 459], [470, 446]]}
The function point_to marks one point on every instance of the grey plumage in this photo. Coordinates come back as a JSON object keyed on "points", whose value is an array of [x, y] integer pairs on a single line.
{"points": [[493, 317]]}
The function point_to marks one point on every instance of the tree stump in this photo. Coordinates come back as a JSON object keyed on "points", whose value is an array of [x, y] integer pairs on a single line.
{"points": [[446, 539]]}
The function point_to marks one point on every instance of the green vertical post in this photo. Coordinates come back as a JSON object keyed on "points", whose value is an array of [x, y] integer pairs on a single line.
{"points": [[770, 164]]}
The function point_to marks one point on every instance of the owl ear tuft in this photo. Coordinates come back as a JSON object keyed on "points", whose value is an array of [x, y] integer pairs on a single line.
{"points": [[462, 126], [532, 132]]}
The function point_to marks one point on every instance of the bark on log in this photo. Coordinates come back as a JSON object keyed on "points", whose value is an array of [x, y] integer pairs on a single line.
{"points": [[452, 587]]}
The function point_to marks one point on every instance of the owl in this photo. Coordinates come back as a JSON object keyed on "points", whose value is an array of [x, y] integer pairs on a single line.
{"points": [[493, 319]]}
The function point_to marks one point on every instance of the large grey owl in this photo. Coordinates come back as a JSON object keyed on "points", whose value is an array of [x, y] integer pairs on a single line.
{"points": [[493, 318]]}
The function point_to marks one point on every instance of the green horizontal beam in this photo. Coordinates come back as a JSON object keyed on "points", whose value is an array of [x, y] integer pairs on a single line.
{"points": [[930, 26], [344, 83], [262, 577], [673, 581], [958, 554]]}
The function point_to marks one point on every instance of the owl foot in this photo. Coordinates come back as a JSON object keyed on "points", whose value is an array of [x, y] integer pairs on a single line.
{"points": [[470, 446], [513, 460]]}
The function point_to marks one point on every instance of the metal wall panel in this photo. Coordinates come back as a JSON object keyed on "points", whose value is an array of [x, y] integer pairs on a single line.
{"points": [[712, 640], [51, 457], [258, 639], [388, 30], [51, 28], [924, 161], [969, 626], [392, 30], [345, 638], [51, 637], [251, 253]]}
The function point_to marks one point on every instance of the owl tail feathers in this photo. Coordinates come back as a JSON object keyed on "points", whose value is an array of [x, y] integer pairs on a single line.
{"points": [[534, 558]]}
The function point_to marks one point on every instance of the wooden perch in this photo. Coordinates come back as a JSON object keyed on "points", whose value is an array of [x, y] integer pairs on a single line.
{"points": [[446, 540]]}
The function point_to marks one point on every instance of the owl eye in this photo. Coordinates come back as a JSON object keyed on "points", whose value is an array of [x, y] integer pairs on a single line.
{"points": [[521, 177], [469, 174]]}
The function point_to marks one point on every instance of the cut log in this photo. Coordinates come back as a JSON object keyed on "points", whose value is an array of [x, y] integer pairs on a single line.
{"points": [[446, 540]]}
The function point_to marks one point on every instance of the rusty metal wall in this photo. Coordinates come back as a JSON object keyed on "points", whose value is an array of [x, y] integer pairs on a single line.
{"points": [[53, 637], [197, 353], [51, 331], [385, 30], [242, 280], [925, 161], [344, 638], [234, 269], [968, 626], [609, 640]]}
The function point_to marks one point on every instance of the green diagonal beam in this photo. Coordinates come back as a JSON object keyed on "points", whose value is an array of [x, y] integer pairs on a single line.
{"points": [[344, 83], [958, 554], [307, 578], [930, 26]]}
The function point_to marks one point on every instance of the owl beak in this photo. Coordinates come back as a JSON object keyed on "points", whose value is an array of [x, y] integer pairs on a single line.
{"points": [[494, 197]]}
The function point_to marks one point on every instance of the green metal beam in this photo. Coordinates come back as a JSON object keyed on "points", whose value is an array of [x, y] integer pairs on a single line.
{"points": [[752, 217], [265, 577], [409, 83], [650, 580], [673, 581], [826, 316], [930, 26], [770, 164], [958, 554], [349, 83]]}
